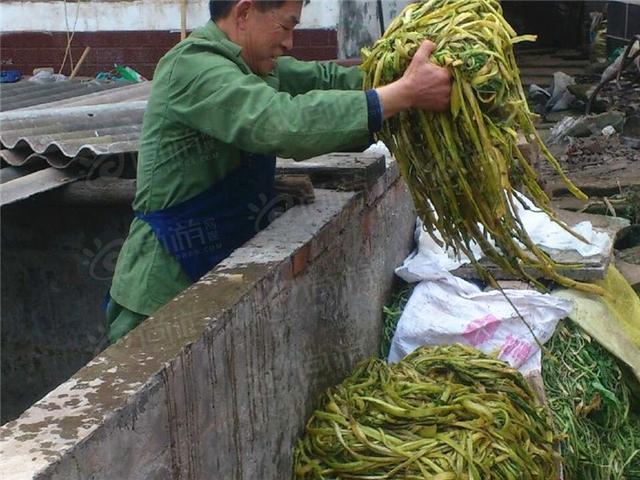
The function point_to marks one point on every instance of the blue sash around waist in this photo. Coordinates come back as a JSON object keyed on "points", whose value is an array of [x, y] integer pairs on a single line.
{"points": [[202, 231]]}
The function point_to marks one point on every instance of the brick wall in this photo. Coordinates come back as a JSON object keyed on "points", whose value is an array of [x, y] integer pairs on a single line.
{"points": [[315, 44], [140, 50]]}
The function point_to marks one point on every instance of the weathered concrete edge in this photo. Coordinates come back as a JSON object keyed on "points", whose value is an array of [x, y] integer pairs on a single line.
{"points": [[111, 385], [98, 393]]}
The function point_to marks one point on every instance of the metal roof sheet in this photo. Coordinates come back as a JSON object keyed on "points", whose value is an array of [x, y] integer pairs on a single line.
{"points": [[62, 135], [128, 93], [30, 94], [54, 143]]}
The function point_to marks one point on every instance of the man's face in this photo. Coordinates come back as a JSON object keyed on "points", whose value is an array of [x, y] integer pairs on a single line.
{"points": [[269, 35]]}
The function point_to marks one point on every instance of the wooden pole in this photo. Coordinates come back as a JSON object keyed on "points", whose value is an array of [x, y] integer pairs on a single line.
{"points": [[80, 62], [183, 19]]}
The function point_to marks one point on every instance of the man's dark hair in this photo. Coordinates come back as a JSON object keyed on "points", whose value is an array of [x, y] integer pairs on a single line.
{"points": [[221, 8]]}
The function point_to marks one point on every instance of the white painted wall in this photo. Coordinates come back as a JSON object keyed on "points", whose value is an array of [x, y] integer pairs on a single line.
{"points": [[18, 16]]}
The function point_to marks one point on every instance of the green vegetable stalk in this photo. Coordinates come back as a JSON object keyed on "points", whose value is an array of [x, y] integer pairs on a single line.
{"points": [[392, 313], [591, 408], [461, 165], [443, 413]]}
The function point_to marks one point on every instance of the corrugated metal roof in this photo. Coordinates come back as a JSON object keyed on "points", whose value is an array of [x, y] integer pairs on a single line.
{"points": [[128, 93], [58, 142], [62, 135], [29, 94]]}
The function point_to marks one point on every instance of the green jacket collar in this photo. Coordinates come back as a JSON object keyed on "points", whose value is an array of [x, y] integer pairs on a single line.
{"points": [[212, 32]]}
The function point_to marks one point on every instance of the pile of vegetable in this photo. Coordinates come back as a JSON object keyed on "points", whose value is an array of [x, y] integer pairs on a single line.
{"points": [[461, 166], [591, 408], [442, 413]]}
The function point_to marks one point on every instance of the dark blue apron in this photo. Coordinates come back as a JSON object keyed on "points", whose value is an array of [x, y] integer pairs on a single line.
{"points": [[202, 231]]}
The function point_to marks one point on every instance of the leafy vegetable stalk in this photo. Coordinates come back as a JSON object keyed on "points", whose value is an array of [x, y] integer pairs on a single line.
{"points": [[461, 166]]}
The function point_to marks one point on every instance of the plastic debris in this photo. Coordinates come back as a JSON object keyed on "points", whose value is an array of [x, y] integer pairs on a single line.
{"points": [[46, 76], [586, 125]]}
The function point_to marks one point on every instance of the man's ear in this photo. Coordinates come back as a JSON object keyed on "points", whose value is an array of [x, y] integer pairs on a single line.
{"points": [[243, 9]]}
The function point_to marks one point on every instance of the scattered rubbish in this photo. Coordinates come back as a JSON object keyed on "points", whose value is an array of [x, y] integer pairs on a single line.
{"points": [[615, 54], [630, 55], [8, 72], [47, 76], [43, 69], [121, 73], [586, 125], [538, 93], [624, 57], [129, 74], [558, 97], [10, 76], [608, 131], [561, 97]]}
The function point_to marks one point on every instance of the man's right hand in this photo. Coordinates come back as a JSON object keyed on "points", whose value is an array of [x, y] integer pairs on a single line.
{"points": [[423, 85]]}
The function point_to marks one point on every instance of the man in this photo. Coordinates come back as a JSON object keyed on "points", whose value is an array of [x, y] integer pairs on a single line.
{"points": [[224, 103]]}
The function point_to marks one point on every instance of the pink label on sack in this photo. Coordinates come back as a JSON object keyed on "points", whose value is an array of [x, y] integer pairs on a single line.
{"points": [[481, 329], [515, 351]]}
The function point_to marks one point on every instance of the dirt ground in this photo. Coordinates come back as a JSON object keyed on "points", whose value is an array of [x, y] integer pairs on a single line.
{"points": [[607, 168]]}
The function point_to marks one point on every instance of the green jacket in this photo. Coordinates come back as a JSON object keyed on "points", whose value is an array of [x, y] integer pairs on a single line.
{"points": [[206, 107]]}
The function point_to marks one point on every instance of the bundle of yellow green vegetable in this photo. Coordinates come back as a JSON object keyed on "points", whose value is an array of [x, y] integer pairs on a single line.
{"points": [[443, 413], [461, 166]]}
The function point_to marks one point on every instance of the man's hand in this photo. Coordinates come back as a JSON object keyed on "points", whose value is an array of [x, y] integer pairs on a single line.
{"points": [[428, 84], [423, 85]]}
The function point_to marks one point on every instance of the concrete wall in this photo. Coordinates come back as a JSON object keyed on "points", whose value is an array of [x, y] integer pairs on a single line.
{"points": [[57, 262], [359, 23], [220, 382]]}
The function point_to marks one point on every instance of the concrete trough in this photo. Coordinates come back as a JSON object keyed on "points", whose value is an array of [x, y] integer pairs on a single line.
{"points": [[220, 382]]}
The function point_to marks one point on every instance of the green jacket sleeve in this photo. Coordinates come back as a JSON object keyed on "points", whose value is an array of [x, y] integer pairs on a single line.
{"points": [[298, 77], [211, 94]]}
